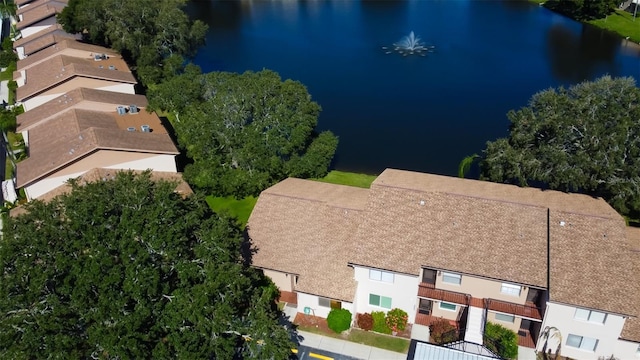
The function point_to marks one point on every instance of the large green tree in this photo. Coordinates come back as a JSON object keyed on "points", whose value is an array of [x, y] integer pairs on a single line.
{"points": [[245, 132], [155, 34], [127, 269], [584, 9], [582, 139]]}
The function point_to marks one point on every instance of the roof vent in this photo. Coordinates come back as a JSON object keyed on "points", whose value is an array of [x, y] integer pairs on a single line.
{"points": [[121, 110], [131, 129], [562, 223], [111, 67], [133, 109], [422, 202], [101, 67], [145, 128]]}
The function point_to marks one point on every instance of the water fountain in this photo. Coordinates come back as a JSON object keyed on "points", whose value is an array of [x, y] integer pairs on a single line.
{"points": [[410, 45]]}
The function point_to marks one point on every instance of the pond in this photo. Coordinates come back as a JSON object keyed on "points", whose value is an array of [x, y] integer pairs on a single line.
{"points": [[414, 112]]}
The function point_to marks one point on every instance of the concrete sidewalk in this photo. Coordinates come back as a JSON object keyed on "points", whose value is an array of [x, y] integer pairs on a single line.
{"points": [[348, 348]]}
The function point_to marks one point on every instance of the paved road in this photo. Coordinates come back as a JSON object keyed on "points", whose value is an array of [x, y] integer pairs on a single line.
{"points": [[309, 353]]}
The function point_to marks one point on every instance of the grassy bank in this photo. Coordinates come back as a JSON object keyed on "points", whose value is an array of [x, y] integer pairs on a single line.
{"points": [[348, 178], [239, 209], [620, 22]]}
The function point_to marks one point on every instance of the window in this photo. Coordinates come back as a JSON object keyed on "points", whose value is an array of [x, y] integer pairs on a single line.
{"points": [[448, 306], [505, 318], [582, 342], [381, 301], [590, 316], [328, 303], [379, 275], [509, 289], [324, 302], [450, 278]]}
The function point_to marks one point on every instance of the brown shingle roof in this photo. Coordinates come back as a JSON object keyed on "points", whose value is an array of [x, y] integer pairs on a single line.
{"points": [[305, 227], [72, 99], [61, 68], [631, 328], [23, 2], [405, 229], [77, 133], [38, 3], [43, 39], [65, 43], [34, 14]]}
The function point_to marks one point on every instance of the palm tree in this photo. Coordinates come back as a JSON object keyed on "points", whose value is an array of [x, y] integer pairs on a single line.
{"points": [[465, 164], [7, 9], [549, 333]]}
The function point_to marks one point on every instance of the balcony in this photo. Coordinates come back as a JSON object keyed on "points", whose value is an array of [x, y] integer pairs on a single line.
{"points": [[428, 291], [527, 311]]}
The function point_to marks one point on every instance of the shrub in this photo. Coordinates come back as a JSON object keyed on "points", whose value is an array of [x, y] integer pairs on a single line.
{"points": [[396, 319], [380, 323], [501, 340], [339, 320], [443, 332], [365, 321]]}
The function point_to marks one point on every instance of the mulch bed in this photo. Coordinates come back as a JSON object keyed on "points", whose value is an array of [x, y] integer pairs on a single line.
{"points": [[321, 324]]}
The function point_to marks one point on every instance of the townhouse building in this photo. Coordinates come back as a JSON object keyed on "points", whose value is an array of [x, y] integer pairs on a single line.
{"points": [[467, 251], [83, 119]]}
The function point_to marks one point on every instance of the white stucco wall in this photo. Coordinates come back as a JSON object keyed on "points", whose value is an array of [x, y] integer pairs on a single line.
{"points": [[312, 302], [163, 162], [39, 26], [403, 292], [156, 162], [43, 186], [482, 288], [282, 280], [562, 317]]}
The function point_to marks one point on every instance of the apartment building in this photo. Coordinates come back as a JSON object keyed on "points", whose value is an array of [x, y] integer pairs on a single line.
{"points": [[466, 251], [26, 46]]}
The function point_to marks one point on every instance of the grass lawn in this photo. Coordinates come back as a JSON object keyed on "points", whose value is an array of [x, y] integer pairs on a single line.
{"points": [[348, 178], [621, 22], [239, 209], [386, 342], [392, 343]]}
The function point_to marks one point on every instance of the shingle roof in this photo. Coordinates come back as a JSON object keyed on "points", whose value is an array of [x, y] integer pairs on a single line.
{"points": [[305, 227], [78, 133], [71, 100], [405, 229], [631, 328], [61, 68], [34, 14], [43, 39], [62, 45], [38, 3]]}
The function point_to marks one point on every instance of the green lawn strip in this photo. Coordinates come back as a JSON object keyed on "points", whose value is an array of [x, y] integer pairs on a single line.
{"points": [[348, 178], [381, 341], [387, 342], [621, 22], [239, 209]]}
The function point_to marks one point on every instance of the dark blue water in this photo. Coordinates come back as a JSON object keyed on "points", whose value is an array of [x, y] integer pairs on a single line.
{"points": [[416, 113]]}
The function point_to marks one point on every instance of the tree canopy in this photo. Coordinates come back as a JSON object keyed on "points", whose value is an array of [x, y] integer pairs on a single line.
{"points": [[582, 139], [244, 132], [155, 34], [583, 9], [127, 269]]}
